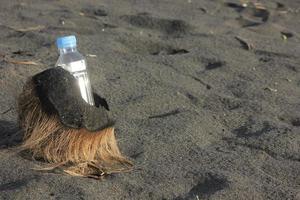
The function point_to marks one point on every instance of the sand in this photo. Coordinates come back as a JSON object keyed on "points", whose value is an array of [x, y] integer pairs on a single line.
{"points": [[205, 93]]}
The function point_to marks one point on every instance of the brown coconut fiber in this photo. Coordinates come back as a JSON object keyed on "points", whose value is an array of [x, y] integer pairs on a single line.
{"points": [[77, 151]]}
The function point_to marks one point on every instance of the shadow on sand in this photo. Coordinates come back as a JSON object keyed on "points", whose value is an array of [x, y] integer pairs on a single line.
{"points": [[10, 134]]}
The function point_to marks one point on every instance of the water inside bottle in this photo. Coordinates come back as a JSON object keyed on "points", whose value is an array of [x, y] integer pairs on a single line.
{"points": [[84, 86], [78, 70], [71, 60]]}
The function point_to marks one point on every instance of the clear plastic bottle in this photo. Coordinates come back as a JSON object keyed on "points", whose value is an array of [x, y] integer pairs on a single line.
{"points": [[71, 60]]}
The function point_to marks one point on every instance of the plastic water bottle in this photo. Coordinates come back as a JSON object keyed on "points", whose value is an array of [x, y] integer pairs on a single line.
{"points": [[71, 60]]}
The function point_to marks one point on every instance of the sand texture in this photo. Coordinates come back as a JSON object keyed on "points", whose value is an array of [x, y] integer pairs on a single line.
{"points": [[206, 94]]}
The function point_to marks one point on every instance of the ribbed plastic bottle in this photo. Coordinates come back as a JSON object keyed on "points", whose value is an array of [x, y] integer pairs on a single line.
{"points": [[71, 60]]}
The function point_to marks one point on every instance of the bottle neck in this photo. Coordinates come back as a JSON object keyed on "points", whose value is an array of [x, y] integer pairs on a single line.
{"points": [[67, 50]]}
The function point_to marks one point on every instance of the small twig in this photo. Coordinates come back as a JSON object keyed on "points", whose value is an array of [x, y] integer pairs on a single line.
{"points": [[19, 62], [49, 167], [7, 110], [73, 173], [35, 28], [173, 112]]}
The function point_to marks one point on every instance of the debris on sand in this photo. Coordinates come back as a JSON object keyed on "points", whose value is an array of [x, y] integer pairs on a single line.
{"points": [[17, 62], [286, 35], [34, 28], [270, 89], [91, 55], [251, 14], [245, 44]]}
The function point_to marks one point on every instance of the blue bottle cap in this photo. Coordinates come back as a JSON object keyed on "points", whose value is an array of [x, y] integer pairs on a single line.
{"points": [[66, 42]]}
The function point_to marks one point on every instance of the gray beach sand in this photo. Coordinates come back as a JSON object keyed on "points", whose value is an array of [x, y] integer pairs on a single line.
{"points": [[206, 94]]}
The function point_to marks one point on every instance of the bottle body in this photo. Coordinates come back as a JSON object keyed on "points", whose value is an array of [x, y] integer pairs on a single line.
{"points": [[71, 60]]}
